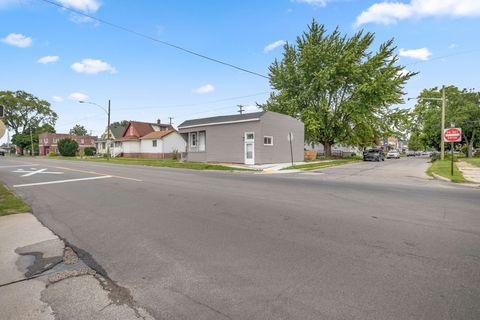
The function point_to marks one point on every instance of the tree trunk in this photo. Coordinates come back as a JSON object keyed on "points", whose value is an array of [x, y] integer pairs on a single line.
{"points": [[327, 148], [470, 145]]}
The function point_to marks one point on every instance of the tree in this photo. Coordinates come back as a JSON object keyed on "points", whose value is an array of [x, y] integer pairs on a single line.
{"points": [[24, 140], [122, 123], [78, 130], [340, 89], [462, 110], [415, 142], [67, 147], [24, 111]]}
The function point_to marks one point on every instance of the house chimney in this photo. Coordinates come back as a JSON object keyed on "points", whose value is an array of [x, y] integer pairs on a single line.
{"points": [[158, 121]]}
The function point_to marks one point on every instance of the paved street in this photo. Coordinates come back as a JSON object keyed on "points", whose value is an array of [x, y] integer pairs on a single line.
{"points": [[361, 241]]}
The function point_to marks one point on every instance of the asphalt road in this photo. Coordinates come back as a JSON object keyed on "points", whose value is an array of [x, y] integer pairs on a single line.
{"points": [[361, 241]]}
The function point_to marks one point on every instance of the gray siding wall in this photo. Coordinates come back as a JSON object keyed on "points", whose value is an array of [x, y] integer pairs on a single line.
{"points": [[278, 126], [225, 143]]}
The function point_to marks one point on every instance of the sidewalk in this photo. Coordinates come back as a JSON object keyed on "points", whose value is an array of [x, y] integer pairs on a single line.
{"points": [[270, 167], [41, 278], [469, 171]]}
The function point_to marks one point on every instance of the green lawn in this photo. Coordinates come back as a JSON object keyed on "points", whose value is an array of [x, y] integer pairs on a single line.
{"points": [[323, 164], [171, 163], [472, 161], [442, 168], [10, 203]]}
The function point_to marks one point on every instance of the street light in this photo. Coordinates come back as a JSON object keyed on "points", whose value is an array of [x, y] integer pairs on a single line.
{"points": [[444, 103], [108, 125]]}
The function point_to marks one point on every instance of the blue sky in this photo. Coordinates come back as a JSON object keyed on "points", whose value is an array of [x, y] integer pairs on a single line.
{"points": [[59, 56]]}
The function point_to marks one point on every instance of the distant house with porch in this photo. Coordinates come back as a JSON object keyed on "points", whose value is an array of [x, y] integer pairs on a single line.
{"points": [[251, 138], [149, 140], [49, 142], [116, 133]]}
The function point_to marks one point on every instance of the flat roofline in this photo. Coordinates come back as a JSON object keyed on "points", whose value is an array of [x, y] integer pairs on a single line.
{"points": [[218, 123]]}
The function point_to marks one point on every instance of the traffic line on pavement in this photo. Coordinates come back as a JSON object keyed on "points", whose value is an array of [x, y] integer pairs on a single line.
{"points": [[59, 181], [100, 174], [19, 165]]}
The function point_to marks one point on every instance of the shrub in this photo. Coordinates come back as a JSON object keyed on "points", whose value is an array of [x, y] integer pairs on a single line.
{"points": [[90, 151], [67, 147], [52, 153]]}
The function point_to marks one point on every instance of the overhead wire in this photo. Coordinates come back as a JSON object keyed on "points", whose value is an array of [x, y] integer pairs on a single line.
{"points": [[145, 36]]}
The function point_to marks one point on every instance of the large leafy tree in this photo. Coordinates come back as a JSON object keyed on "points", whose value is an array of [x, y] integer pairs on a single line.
{"points": [[78, 130], [339, 88], [23, 110], [462, 110], [24, 140]]}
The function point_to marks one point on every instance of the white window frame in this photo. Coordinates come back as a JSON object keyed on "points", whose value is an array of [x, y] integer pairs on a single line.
{"points": [[154, 143], [271, 140], [248, 133], [131, 131]]}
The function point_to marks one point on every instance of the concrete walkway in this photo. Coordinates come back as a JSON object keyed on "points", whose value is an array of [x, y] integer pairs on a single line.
{"points": [[469, 171], [42, 279], [270, 167]]}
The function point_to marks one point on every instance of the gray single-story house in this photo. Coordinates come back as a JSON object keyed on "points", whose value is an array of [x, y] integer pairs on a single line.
{"points": [[250, 138]]}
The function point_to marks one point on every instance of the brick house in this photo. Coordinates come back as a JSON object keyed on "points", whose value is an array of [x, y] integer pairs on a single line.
{"points": [[48, 142]]}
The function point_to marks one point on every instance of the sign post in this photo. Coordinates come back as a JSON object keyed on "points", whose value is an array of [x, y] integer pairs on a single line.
{"points": [[290, 139], [452, 135]]}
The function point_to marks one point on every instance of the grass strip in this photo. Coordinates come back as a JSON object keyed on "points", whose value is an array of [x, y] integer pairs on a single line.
{"points": [[323, 164], [442, 168], [169, 163], [10, 203]]}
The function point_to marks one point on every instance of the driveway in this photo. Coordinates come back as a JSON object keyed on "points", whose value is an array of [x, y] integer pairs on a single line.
{"points": [[362, 241]]}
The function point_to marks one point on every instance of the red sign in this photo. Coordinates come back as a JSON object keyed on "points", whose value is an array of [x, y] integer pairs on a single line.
{"points": [[452, 134]]}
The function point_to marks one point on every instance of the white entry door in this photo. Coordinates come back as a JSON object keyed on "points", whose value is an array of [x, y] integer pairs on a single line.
{"points": [[249, 148]]}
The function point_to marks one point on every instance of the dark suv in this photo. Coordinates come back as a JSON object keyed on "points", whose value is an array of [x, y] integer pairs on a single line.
{"points": [[373, 155]]}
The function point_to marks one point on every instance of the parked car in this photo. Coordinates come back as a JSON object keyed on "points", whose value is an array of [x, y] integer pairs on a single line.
{"points": [[410, 153], [393, 154], [2, 153], [418, 153], [373, 155]]}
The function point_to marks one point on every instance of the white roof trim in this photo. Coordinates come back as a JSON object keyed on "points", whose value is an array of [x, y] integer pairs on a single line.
{"points": [[217, 123]]}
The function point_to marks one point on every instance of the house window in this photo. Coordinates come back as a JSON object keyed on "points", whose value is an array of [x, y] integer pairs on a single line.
{"points": [[45, 140], [82, 141], [131, 131], [268, 141], [201, 141], [249, 136], [55, 140], [154, 143], [193, 139], [103, 145]]}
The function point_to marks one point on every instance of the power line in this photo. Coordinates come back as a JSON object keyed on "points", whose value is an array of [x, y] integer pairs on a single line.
{"points": [[142, 35], [195, 104]]}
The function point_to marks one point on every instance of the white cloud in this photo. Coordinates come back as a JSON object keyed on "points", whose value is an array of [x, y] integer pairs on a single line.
{"points": [[91, 66], [58, 98], [452, 46], [392, 12], [274, 45], [77, 96], [421, 54], [250, 108], [88, 6], [319, 3], [48, 59], [17, 40], [204, 89]]}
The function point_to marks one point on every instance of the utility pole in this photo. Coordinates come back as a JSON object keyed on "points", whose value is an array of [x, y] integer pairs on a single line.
{"points": [[31, 141], [8, 142], [442, 143], [240, 109], [108, 132], [170, 120]]}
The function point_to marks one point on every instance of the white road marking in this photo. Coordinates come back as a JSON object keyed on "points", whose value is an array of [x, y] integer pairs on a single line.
{"points": [[35, 171], [18, 165], [59, 181]]}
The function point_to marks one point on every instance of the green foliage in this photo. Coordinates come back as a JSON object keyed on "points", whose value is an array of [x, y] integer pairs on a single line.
{"points": [[23, 140], [442, 168], [462, 110], [89, 151], [415, 142], [339, 88], [67, 147], [52, 153], [10, 204], [122, 123], [78, 130], [23, 110]]}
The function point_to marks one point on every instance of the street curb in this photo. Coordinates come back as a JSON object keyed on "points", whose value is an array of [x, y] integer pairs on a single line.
{"points": [[470, 185]]}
